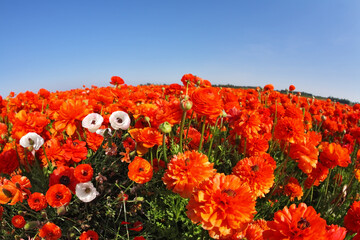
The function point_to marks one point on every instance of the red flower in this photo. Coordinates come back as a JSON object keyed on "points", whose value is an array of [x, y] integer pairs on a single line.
{"points": [[64, 175], [83, 173], [138, 226], [334, 232], [37, 201], [116, 80], [293, 189], [352, 218], [8, 161], [291, 88], [207, 102], [18, 221], [300, 222], [333, 155], [50, 231], [289, 130], [58, 195], [140, 170], [89, 235]]}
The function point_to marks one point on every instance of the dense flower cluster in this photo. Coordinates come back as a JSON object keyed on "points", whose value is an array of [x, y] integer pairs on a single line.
{"points": [[178, 161]]}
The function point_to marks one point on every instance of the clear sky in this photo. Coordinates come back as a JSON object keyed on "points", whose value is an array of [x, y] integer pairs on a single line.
{"points": [[62, 45]]}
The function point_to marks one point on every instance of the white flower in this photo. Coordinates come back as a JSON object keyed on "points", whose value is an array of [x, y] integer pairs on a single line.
{"points": [[119, 119], [102, 131], [92, 122], [32, 139], [86, 192]]}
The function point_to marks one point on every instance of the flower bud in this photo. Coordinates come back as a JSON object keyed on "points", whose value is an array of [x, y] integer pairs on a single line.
{"points": [[165, 127], [186, 105], [31, 225], [61, 210]]}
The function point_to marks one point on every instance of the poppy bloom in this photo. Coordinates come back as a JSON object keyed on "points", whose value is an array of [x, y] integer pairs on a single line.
{"points": [[33, 140], [18, 221], [300, 222], [207, 102], [92, 122], [50, 231], [223, 204], [140, 170], [352, 218], [63, 175], [86, 192], [119, 120], [186, 170], [89, 235], [293, 189], [83, 172], [258, 173], [116, 80], [37, 201], [58, 195]]}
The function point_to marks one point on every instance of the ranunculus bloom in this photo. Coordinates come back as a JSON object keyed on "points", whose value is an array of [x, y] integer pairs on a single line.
{"points": [[289, 130], [257, 172], [18, 221], [293, 189], [335, 232], [58, 195], [291, 88], [32, 140], [119, 120], [352, 218], [89, 235], [222, 204], [186, 170], [50, 231], [37, 201], [116, 80], [300, 222], [8, 161], [86, 192], [140, 170], [207, 102], [333, 155], [83, 173], [92, 122]]}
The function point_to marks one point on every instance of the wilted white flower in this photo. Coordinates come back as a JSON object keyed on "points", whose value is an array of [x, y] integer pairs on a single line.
{"points": [[92, 122], [86, 192], [119, 120], [32, 139], [102, 132]]}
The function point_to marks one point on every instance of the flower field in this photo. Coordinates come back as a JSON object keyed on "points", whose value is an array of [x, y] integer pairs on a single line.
{"points": [[187, 161]]}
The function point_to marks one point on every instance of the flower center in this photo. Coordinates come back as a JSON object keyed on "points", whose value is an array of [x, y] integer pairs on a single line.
{"points": [[119, 120], [93, 122], [84, 172], [141, 169], [229, 192], [87, 190], [64, 180], [255, 168], [58, 196], [303, 224]]}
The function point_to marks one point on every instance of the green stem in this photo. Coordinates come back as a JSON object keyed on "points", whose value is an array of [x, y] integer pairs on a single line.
{"points": [[202, 133], [182, 130], [164, 148]]}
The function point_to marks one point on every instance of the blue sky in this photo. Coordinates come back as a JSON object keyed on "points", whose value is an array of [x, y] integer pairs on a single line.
{"points": [[62, 45]]}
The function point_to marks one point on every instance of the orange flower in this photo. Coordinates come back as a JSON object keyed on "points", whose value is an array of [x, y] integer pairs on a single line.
{"points": [[335, 232], [37, 201], [255, 230], [269, 87], [352, 218], [289, 130], [93, 140], [333, 155], [83, 173], [50, 231], [146, 138], [293, 189], [10, 193], [258, 173], [300, 222], [316, 176], [306, 154], [18, 221], [140, 170], [222, 204], [70, 116], [58, 195], [291, 88], [248, 124], [207, 102], [186, 170], [89, 235], [53, 152], [75, 150]]}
